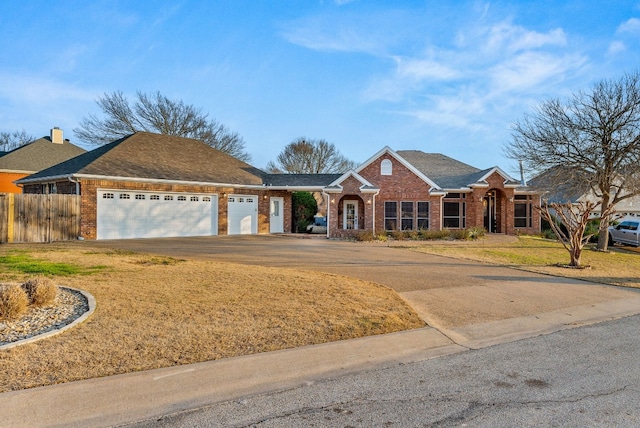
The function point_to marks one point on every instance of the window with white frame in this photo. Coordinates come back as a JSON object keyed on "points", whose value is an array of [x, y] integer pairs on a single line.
{"points": [[390, 215], [454, 210], [422, 216], [386, 167], [522, 211], [406, 215], [406, 212]]}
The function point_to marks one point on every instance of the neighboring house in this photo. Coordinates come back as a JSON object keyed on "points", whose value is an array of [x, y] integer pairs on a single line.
{"points": [[33, 157], [567, 191], [411, 190], [150, 185]]}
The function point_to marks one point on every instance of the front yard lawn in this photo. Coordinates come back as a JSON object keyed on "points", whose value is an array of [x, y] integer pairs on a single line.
{"points": [[155, 311], [616, 267]]}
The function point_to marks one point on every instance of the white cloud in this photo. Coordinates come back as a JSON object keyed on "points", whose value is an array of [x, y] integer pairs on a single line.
{"points": [[532, 69], [631, 26], [36, 90], [424, 68], [321, 38], [616, 47], [503, 37]]}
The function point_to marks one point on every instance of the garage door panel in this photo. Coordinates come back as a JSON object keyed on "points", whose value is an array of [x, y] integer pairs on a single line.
{"points": [[123, 215], [242, 214]]}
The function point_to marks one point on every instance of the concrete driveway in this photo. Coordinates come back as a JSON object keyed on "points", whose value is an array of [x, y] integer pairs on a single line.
{"points": [[466, 304], [473, 304]]}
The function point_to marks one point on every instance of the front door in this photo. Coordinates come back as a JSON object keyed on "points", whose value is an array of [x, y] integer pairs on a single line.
{"points": [[489, 203], [276, 223], [350, 220]]}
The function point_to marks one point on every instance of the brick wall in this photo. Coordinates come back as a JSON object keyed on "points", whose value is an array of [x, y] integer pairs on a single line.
{"points": [[401, 185], [89, 201]]}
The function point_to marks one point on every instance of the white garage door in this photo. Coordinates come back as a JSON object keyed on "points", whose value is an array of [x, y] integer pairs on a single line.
{"points": [[242, 214], [135, 214]]}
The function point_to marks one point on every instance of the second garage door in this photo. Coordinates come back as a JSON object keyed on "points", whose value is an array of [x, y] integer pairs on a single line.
{"points": [[242, 214], [135, 214]]}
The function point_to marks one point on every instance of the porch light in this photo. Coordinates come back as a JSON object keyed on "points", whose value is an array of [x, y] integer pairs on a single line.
{"points": [[333, 201]]}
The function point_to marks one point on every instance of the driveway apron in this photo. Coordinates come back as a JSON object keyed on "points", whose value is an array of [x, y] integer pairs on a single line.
{"points": [[473, 304]]}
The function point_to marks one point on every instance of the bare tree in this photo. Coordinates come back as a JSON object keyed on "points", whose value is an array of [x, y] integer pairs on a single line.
{"points": [[304, 156], [575, 218], [157, 113], [13, 140], [591, 140]]}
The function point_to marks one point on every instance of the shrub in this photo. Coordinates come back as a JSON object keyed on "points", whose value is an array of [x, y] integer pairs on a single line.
{"points": [[382, 237], [475, 232], [548, 234], [398, 235], [13, 301], [40, 291], [366, 236], [432, 235], [458, 234], [304, 208]]}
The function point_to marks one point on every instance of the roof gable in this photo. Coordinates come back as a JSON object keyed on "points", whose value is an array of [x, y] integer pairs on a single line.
{"points": [[403, 161], [145, 155], [365, 186], [508, 180], [38, 155]]}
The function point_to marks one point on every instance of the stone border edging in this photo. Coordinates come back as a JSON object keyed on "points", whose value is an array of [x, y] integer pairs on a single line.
{"points": [[91, 302]]}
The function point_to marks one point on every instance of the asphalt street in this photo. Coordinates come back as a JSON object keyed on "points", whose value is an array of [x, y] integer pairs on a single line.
{"points": [[587, 376]]}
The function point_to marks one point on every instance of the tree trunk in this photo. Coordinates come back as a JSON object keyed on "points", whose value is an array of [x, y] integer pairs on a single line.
{"points": [[576, 255], [603, 230]]}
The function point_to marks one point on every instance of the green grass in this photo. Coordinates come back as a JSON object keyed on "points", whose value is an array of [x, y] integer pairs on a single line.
{"points": [[24, 263]]}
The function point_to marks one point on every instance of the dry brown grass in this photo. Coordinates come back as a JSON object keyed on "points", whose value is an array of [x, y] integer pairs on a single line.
{"points": [[157, 312], [616, 267]]}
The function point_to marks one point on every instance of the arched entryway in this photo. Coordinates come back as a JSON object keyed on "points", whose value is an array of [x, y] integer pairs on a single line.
{"points": [[351, 213], [493, 203]]}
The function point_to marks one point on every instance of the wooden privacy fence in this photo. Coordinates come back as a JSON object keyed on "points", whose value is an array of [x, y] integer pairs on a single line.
{"points": [[39, 218]]}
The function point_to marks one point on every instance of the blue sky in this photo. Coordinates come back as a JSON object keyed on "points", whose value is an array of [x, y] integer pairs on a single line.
{"points": [[437, 76]]}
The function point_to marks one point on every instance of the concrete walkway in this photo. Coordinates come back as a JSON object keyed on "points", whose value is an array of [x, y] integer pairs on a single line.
{"points": [[467, 305]]}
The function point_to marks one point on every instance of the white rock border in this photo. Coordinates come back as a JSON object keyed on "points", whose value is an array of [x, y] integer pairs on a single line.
{"points": [[91, 302]]}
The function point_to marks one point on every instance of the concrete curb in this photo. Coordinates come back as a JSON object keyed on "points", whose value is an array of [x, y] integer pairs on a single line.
{"points": [[136, 396], [92, 307]]}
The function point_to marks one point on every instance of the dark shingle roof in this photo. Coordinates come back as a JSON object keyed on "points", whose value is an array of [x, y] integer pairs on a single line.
{"points": [[300, 180], [559, 186], [446, 172], [154, 156], [38, 155]]}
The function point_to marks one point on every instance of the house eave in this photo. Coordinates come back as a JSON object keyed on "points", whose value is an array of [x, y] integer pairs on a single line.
{"points": [[139, 180]]}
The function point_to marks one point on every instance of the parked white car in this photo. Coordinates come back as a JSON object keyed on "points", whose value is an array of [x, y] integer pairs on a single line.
{"points": [[626, 232]]}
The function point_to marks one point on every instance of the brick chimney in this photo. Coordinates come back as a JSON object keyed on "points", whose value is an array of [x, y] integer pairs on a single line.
{"points": [[56, 135]]}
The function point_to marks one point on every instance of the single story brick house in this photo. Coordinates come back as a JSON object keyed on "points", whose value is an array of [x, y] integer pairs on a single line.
{"points": [[410, 190], [33, 157], [151, 185]]}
